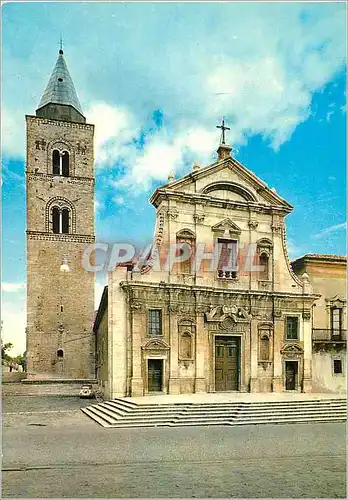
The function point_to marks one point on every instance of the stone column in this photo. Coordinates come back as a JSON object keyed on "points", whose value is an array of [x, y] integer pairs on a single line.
{"points": [[254, 384], [307, 354], [137, 386], [174, 379], [278, 340], [201, 355]]}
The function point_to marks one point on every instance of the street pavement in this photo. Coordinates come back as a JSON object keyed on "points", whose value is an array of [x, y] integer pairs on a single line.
{"points": [[52, 450]]}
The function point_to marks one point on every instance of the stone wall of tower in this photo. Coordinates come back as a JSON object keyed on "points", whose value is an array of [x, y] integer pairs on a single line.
{"points": [[60, 305]]}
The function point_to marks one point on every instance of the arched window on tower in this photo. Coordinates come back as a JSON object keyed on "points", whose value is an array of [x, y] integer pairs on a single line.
{"points": [[65, 221], [60, 163], [65, 164], [60, 353], [60, 220], [55, 220], [56, 162]]}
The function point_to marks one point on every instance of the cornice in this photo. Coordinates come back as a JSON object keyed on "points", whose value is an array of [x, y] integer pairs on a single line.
{"points": [[203, 199], [77, 238], [37, 176], [202, 289]]}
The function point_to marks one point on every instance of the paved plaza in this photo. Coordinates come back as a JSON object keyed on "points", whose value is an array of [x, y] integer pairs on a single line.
{"points": [[52, 450]]}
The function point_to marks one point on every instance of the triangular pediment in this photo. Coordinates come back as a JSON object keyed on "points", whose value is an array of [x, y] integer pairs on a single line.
{"points": [[226, 180], [157, 344], [226, 225]]}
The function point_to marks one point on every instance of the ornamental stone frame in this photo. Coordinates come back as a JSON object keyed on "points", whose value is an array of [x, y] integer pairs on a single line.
{"points": [[155, 348], [61, 145], [293, 351]]}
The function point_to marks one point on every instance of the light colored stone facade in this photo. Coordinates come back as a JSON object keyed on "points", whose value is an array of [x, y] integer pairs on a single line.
{"points": [[60, 305], [327, 274], [202, 307]]}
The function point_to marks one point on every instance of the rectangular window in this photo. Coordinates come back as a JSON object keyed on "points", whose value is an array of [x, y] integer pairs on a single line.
{"points": [[292, 328], [336, 321], [155, 322], [337, 366], [227, 267]]}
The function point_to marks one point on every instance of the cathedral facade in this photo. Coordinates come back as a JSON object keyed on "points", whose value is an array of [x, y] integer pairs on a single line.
{"points": [[60, 223], [229, 315]]}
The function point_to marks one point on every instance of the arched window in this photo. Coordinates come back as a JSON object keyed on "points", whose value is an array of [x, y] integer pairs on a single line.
{"points": [[65, 221], [65, 164], [185, 241], [56, 162], [264, 265], [185, 346], [60, 353], [60, 220], [60, 163], [55, 220], [264, 347]]}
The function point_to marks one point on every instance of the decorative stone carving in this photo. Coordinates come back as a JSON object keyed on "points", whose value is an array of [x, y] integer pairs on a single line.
{"points": [[173, 213], [198, 218], [40, 144], [291, 350], [221, 313], [306, 315], [173, 308], [81, 149], [253, 224], [137, 306], [155, 344], [277, 227]]}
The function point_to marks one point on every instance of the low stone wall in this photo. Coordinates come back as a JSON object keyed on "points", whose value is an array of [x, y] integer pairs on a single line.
{"points": [[20, 389], [12, 377]]}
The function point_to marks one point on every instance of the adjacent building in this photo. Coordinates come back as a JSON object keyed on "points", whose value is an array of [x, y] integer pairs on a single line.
{"points": [[327, 274]]}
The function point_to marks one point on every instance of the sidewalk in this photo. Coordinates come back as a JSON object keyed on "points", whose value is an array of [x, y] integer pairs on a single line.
{"points": [[231, 397]]}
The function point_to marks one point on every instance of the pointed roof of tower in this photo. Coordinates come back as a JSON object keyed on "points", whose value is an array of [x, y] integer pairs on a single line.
{"points": [[60, 88]]}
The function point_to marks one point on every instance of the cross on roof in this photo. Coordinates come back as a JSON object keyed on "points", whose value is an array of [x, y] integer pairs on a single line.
{"points": [[223, 128]]}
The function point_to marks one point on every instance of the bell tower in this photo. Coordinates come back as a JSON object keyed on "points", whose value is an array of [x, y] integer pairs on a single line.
{"points": [[60, 224]]}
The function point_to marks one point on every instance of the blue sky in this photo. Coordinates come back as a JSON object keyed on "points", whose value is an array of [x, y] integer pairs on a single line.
{"points": [[155, 79]]}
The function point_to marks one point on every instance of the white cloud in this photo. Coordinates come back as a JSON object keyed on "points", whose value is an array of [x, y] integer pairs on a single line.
{"points": [[330, 230], [114, 129], [13, 132], [260, 72], [12, 287]]}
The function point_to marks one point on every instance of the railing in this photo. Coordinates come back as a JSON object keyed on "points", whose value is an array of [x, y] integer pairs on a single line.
{"points": [[325, 334], [227, 274]]}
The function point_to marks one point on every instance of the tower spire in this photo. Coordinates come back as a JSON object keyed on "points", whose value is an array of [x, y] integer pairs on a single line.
{"points": [[60, 101]]}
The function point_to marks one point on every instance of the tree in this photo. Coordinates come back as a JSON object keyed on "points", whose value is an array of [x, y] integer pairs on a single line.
{"points": [[4, 348]]}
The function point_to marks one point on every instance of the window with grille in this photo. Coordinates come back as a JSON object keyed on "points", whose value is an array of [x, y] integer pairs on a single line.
{"points": [[155, 322], [337, 366], [336, 321], [292, 328], [227, 267]]}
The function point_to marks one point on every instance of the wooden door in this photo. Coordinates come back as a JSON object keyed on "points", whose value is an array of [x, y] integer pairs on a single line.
{"points": [[155, 375], [291, 368], [226, 364]]}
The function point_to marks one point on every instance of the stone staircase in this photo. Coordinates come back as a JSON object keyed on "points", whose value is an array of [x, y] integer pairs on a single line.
{"points": [[122, 413]]}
